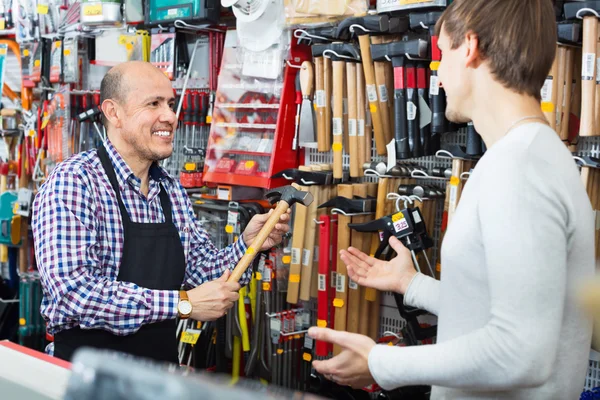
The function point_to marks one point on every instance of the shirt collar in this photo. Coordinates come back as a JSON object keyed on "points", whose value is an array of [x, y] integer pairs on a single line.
{"points": [[124, 172]]}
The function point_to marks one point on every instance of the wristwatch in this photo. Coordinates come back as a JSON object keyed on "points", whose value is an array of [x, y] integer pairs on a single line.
{"points": [[184, 308]]}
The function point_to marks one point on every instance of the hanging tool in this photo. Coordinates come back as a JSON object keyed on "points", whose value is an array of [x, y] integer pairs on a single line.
{"points": [[298, 110], [307, 118], [352, 119], [362, 27], [566, 115], [308, 251], [429, 144], [380, 68], [404, 107]]}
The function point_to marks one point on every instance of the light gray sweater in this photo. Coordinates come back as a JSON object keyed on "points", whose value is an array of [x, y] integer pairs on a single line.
{"points": [[519, 246]]}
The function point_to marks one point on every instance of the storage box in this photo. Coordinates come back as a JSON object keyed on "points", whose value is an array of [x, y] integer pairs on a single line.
{"points": [[164, 11]]}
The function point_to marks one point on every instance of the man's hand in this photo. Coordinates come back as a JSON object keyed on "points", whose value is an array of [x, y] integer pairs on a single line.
{"points": [[351, 366], [257, 222], [211, 300], [394, 275]]}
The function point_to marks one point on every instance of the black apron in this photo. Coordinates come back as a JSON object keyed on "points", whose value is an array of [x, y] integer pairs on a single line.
{"points": [[153, 258]]}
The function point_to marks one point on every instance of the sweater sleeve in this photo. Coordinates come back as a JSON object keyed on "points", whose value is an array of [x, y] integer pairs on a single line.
{"points": [[523, 222], [424, 293]]}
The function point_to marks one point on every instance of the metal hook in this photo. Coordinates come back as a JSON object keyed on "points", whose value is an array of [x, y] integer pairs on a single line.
{"points": [[307, 183], [415, 197], [414, 58], [360, 27], [162, 29], [423, 25], [465, 175], [293, 66], [337, 55], [371, 172], [439, 152], [388, 58], [581, 160], [390, 333], [307, 35], [289, 178], [578, 15], [338, 211], [318, 222]]}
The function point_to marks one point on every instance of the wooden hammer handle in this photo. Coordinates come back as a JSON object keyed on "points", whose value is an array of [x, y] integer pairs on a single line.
{"points": [[588, 75], [258, 241], [339, 69], [320, 108]]}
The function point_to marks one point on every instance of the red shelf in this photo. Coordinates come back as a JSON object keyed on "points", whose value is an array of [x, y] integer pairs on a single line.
{"points": [[234, 179]]}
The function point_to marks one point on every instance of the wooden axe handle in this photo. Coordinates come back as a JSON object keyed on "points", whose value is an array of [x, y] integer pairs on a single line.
{"points": [[588, 76], [320, 105], [365, 50], [258, 241], [339, 68], [360, 116], [564, 126], [352, 120]]}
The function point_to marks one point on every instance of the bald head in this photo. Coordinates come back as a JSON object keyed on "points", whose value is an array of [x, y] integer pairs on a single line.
{"points": [[114, 85]]}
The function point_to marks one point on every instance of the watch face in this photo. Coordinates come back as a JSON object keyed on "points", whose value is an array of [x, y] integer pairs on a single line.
{"points": [[184, 307]]}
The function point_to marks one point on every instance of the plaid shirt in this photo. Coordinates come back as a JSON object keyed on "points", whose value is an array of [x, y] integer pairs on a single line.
{"points": [[78, 238]]}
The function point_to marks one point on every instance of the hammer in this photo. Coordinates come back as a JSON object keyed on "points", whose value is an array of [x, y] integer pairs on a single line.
{"points": [[403, 109], [285, 197]]}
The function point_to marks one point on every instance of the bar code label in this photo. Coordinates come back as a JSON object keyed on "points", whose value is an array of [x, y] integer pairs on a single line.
{"points": [[372, 93], [341, 283], [267, 275], [588, 66], [320, 98], [345, 106], [547, 90], [232, 218], [308, 342], [411, 111], [352, 127], [306, 257], [337, 126], [352, 285], [296, 256], [361, 127], [333, 279], [322, 282], [383, 94], [434, 85]]}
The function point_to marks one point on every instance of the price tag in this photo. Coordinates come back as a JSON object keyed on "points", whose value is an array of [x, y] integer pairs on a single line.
{"points": [[308, 342], [91, 10], [547, 90], [383, 94], [306, 319], [588, 66], [371, 93], [320, 98], [232, 218], [306, 260], [341, 283], [190, 336], [434, 85], [352, 127], [411, 111], [42, 9], [267, 275], [296, 256], [322, 283], [338, 128], [399, 222], [275, 325], [361, 127]]}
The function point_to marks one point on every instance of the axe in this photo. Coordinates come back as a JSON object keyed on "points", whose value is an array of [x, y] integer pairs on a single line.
{"points": [[405, 108], [427, 20], [362, 27], [588, 11], [285, 197]]}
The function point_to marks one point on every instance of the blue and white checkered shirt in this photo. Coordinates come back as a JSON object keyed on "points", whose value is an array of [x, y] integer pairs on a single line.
{"points": [[78, 238]]}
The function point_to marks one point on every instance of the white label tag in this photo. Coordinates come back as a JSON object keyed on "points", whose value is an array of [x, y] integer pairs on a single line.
{"points": [[400, 225], [322, 283], [232, 218], [296, 256], [434, 85], [391, 154], [275, 324], [547, 90], [338, 128], [453, 193], [222, 194], [383, 94], [425, 114], [352, 285], [172, 11], [361, 127], [352, 127], [298, 321], [308, 342], [267, 275], [345, 106], [333, 282], [371, 93], [320, 98], [416, 217], [306, 319], [261, 265], [341, 283], [588, 66], [411, 111], [306, 257]]}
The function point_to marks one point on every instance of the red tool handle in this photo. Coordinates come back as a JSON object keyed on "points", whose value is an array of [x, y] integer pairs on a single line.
{"points": [[322, 348], [332, 286]]}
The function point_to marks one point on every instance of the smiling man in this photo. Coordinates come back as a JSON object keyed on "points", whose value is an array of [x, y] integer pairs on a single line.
{"points": [[116, 237], [521, 241]]}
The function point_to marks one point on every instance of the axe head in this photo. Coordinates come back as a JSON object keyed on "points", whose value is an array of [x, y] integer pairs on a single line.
{"points": [[290, 194]]}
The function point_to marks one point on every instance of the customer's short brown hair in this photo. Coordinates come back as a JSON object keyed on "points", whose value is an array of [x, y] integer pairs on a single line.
{"points": [[516, 37]]}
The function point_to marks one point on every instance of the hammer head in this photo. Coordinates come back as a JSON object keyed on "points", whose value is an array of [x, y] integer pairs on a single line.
{"points": [[416, 48], [290, 194]]}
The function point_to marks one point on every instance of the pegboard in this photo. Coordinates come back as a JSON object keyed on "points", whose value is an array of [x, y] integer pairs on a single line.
{"points": [[589, 146], [390, 317]]}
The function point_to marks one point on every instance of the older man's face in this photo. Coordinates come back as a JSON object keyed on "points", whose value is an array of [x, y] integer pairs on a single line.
{"points": [[149, 123]]}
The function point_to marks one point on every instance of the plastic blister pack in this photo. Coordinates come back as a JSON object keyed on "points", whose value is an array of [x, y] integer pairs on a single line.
{"points": [[309, 12]]}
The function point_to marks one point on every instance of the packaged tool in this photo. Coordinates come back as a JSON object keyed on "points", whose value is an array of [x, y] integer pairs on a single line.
{"points": [[71, 60], [165, 11], [26, 21], [27, 50], [10, 224], [162, 53], [105, 12], [56, 61], [309, 12], [134, 11], [400, 5]]}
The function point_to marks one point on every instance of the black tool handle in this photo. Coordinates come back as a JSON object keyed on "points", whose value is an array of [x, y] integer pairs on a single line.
{"points": [[425, 132], [401, 129], [473, 141], [412, 112]]}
